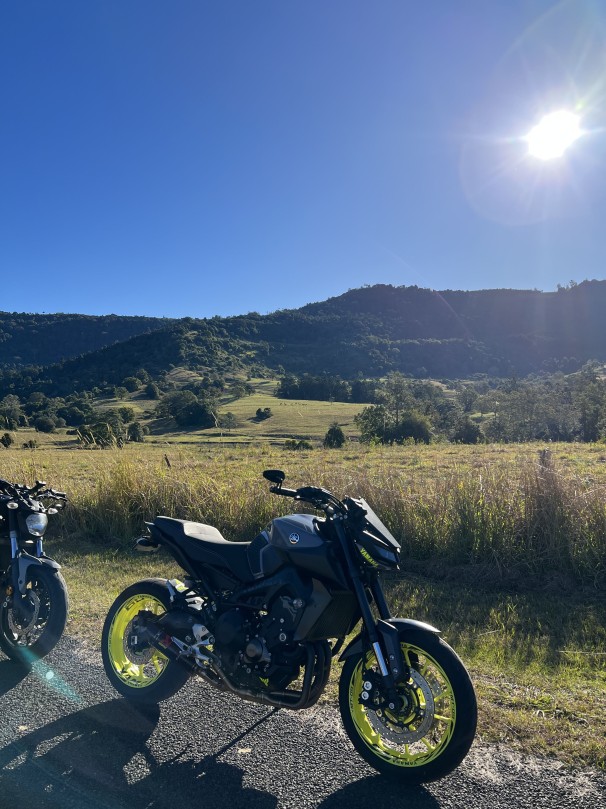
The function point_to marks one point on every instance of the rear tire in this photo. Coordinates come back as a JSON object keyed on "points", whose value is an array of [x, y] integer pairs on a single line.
{"points": [[434, 729], [26, 640], [144, 675]]}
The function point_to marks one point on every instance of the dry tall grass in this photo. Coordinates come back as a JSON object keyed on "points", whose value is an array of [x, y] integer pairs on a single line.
{"points": [[519, 513]]}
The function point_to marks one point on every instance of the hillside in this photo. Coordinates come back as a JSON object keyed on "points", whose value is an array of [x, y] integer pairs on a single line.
{"points": [[41, 339], [364, 332]]}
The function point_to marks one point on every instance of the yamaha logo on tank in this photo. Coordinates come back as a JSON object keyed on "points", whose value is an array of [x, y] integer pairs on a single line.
{"points": [[294, 538]]}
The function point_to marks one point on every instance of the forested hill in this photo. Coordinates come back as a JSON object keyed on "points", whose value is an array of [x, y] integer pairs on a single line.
{"points": [[374, 330], [368, 332], [35, 339]]}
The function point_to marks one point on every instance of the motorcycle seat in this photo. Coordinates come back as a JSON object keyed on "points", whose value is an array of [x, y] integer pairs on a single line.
{"points": [[205, 543]]}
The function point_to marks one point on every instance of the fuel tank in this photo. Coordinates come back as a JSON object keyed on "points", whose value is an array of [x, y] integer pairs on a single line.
{"points": [[297, 531], [295, 540]]}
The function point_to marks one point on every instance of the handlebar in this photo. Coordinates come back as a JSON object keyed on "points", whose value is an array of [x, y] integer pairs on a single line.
{"points": [[16, 490], [318, 497]]}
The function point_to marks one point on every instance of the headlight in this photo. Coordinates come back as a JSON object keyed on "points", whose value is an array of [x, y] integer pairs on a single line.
{"points": [[36, 524]]}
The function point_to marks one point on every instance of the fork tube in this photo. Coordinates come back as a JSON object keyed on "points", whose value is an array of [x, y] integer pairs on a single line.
{"points": [[367, 616], [379, 597]]}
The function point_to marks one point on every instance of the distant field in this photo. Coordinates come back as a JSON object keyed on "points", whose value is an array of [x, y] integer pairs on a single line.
{"points": [[290, 419]]}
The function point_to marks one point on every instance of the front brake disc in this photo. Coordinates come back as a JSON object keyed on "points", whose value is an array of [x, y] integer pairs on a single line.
{"points": [[412, 726], [20, 628]]}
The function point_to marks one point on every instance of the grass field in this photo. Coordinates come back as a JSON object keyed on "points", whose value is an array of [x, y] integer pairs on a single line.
{"points": [[504, 550], [298, 419]]}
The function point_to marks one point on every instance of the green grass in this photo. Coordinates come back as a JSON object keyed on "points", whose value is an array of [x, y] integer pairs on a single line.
{"points": [[289, 419], [505, 551]]}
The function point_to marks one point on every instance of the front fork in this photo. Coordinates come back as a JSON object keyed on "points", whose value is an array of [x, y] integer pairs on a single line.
{"points": [[382, 636], [14, 560], [20, 561]]}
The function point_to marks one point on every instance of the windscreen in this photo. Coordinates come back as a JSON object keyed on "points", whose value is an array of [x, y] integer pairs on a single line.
{"points": [[378, 527]]}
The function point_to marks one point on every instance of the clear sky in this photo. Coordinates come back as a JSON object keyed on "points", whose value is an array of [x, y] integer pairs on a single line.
{"points": [[203, 157]]}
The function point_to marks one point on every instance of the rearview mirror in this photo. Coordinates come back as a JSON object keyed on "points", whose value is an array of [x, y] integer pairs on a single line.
{"points": [[274, 476]]}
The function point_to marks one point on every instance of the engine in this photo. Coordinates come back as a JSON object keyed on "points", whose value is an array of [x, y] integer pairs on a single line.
{"points": [[256, 647]]}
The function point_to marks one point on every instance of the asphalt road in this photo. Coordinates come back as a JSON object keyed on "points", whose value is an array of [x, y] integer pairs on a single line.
{"points": [[67, 740]]}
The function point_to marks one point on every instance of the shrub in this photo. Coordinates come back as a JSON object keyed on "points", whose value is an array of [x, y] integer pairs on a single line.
{"points": [[334, 438], [301, 444], [44, 424]]}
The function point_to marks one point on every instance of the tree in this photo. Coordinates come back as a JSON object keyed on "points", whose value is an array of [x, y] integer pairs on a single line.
{"points": [[397, 395], [378, 423], [412, 425], [334, 438], [467, 397], [152, 391], [136, 432], [199, 414], [131, 383], [174, 402], [126, 413], [44, 424], [238, 390], [6, 440], [75, 416], [11, 414], [372, 423], [263, 413], [187, 409], [467, 432], [228, 421]]}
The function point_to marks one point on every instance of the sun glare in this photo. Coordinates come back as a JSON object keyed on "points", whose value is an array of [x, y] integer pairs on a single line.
{"points": [[555, 132]]}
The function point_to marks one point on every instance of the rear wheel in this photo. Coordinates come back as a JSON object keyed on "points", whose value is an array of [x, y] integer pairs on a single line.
{"points": [[32, 623], [431, 732], [137, 670]]}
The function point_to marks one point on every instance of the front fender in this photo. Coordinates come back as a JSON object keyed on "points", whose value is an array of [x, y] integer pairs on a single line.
{"points": [[26, 560], [406, 628]]}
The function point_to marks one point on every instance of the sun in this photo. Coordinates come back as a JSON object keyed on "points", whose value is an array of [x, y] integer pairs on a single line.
{"points": [[553, 134]]}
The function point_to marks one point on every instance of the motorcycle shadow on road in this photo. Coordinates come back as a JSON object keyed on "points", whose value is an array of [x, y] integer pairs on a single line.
{"points": [[380, 793], [107, 757], [11, 674], [101, 757]]}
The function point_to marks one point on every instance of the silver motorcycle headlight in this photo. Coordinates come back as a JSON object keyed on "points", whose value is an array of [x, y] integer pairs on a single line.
{"points": [[36, 524]]}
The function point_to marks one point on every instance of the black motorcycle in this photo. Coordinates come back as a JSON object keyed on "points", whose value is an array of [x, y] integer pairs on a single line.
{"points": [[33, 595], [264, 619]]}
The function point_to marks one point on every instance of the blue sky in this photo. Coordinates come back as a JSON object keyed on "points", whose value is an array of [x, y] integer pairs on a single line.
{"points": [[204, 157]]}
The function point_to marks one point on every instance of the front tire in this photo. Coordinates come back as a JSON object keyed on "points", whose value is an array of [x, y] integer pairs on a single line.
{"points": [[434, 729], [138, 672], [29, 635]]}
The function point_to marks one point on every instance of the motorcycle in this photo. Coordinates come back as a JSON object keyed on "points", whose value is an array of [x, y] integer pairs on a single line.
{"points": [[33, 596], [264, 619]]}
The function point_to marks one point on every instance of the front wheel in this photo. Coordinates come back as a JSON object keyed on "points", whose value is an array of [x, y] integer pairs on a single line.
{"points": [[431, 731], [32, 623], [137, 670]]}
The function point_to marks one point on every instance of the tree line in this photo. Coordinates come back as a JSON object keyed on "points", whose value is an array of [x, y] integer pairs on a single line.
{"points": [[553, 407]]}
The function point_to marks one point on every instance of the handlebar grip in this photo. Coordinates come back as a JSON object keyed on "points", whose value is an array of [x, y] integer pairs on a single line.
{"points": [[283, 492]]}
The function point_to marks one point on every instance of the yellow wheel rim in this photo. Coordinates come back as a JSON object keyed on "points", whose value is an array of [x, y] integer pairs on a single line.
{"points": [[137, 669], [424, 727]]}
